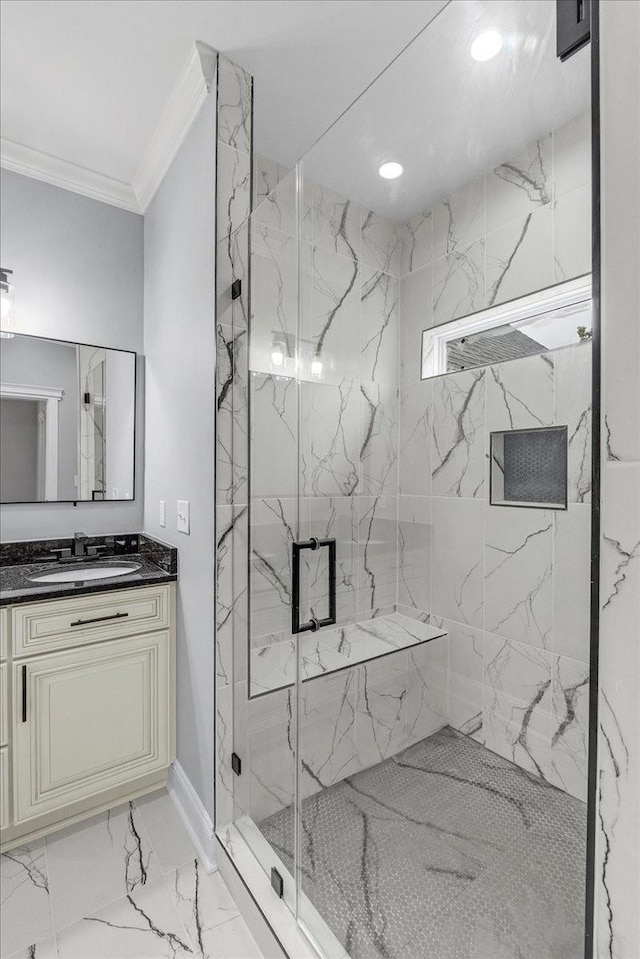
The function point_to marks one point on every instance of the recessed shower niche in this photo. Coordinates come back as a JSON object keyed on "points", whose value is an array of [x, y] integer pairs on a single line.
{"points": [[529, 467]]}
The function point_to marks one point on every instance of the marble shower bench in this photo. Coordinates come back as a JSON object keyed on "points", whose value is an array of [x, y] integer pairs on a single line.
{"points": [[273, 666]]}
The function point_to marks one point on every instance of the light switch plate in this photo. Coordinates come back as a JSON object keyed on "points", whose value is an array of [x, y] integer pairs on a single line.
{"points": [[182, 515], [162, 513]]}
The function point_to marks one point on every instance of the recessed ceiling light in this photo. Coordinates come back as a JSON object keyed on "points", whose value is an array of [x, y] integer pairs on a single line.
{"points": [[391, 170], [486, 45]]}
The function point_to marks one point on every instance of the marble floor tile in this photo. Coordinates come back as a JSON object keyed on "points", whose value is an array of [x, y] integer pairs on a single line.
{"points": [[168, 836], [144, 923], [231, 940], [203, 903], [46, 949], [24, 892], [446, 851], [97, 862]]}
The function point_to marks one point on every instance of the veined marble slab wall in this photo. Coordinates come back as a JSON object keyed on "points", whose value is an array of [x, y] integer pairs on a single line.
{"points": [[511, 585], [234, 110], [618, 840]]}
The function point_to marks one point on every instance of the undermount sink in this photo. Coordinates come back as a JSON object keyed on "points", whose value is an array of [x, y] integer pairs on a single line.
{"points": [[79, 572]]}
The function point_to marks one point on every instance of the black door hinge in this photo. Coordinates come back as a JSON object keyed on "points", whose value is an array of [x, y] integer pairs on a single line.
{"points": [[277, 883], [236, 764], [573, 26], [236, 289]]}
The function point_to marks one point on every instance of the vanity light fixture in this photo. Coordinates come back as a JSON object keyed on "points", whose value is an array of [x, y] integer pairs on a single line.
{"points": [[391, 170], [486, 45], [7, 304]]}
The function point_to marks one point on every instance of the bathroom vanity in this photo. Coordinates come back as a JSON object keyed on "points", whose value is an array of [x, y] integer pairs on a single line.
{"points": [[87, 674]]}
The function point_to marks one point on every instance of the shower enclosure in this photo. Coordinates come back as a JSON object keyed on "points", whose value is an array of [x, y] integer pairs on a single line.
{"points": [[403, 519]]}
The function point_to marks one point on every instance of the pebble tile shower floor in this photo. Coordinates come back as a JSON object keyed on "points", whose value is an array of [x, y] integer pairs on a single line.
{"points": [[446, 851]]}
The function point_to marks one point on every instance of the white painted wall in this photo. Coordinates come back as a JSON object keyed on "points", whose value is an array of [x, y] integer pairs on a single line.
{"points": [[78, 274], [179, 344]]}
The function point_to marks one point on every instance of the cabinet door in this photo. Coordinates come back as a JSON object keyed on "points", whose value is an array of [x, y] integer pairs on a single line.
{"points": [[89, 720]]}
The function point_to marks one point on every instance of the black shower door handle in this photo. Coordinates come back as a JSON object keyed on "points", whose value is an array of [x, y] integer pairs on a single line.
{"points": [[313, 624]]}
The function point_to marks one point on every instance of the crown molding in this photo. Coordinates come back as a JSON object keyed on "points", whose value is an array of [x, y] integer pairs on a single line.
{"points": [[69, 176], [189, 93], [178, 116]]}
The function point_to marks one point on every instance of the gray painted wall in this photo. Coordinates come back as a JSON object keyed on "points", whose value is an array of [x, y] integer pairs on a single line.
{"points": [[179, 343], [78, 274], [43, 363], [18, 448]]}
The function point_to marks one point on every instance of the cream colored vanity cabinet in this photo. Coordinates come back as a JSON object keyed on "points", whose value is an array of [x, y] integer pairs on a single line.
{"points": [[92, 718], [4, 719]]}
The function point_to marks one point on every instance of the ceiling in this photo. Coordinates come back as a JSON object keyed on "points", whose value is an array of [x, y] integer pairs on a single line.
{"points": [[448, 118], [85, 82]]}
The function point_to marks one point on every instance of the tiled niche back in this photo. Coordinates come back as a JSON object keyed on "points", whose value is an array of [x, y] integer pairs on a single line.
{"points": [[529, 467]]}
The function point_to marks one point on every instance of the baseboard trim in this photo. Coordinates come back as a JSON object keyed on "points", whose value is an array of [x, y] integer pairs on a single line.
{"points": [[195, 817]]}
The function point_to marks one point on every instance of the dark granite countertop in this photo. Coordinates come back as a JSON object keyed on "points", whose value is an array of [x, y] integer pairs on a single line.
{"points": [[16, 587], [18, 561]]}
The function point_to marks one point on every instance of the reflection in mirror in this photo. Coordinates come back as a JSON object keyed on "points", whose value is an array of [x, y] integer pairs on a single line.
{"points": [[67, 413], [544, 321]]}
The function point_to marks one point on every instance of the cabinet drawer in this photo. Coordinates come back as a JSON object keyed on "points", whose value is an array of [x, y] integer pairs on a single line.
{"points": [[77, 620], [4, 631], [4, 703], [4, 787], [88, 720]]}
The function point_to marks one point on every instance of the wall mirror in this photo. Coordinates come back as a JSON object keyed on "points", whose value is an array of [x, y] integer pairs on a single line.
{"points": [[67, 421]]}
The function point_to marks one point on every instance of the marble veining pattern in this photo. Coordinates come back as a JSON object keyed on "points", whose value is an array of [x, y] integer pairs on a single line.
{"points": [[97, 889], [491, 856]]}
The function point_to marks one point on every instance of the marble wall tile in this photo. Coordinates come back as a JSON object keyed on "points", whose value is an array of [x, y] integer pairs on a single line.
{"points": [[232, 421], [26, 906], [518, 574], [459, 283], [573, 409], [379, 318], [274, 296], [414, 552], [416, 315], [517, 715], [572, 235], [233, 189], [378, 439], [274, 437], [458, 219], [570, 728], [271, 734], [520, 257], [235, 88], [277, 207], [457, 434], [572, 582], [381, 717], [520, 394], [377, 554], [457, 561], [417, 242], [333, 517], [330, 454], [381, 243], [267, 174], [572, 155], [521, 185], [328, 730], [465, 678], [231, 593], [232, 255], [415, 438], [336, 223], [224, 729], [273, 530], [333, 324], [427, 692]]}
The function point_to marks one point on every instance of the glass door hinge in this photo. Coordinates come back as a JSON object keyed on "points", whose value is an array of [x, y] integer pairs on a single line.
{"points": [[236, 764]]}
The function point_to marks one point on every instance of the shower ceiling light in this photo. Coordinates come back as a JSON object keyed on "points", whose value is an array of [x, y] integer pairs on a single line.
{"points": [[486, 45], [391, 170]]}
